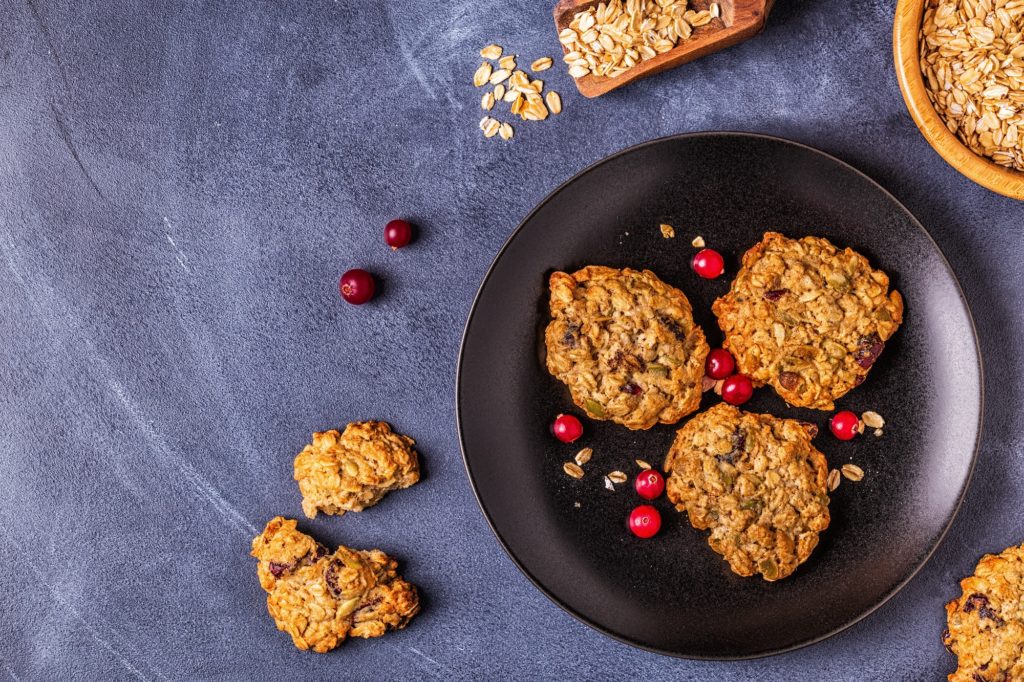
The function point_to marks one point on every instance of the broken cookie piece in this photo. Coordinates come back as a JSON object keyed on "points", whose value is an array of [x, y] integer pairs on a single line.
{"points": [[353, 470], [320, 598]]}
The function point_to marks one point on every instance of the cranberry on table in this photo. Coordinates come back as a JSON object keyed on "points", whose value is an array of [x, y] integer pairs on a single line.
{"points": [[845, 425], [649, 484], [398, 233], [357, 286], [708, 263], [645, 521], [567, 428], [719, 364], [737, 389]]}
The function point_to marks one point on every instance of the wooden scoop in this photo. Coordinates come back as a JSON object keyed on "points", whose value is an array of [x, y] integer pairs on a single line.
{"points": [[739, 20]]}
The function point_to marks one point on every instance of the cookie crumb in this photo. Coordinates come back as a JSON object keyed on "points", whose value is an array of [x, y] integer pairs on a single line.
{"points": [[698, 242], [667, 231]]}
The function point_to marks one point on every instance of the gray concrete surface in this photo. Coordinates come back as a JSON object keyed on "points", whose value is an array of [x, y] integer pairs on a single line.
{"points": [[181, 183]]}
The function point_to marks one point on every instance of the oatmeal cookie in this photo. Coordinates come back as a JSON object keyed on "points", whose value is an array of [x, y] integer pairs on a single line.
{"points": [[354, 470], [986, 623], [625, 344], [807, 318], [321, 598], [756, 482]]}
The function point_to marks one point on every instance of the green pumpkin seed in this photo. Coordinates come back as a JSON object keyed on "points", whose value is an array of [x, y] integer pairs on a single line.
{"points": [[769, 569], [752, 505], [660, 370], [595, 409]]}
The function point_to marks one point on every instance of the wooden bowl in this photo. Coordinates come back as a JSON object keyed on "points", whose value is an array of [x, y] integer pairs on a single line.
{"points": [[906, 52], [739, 20]]}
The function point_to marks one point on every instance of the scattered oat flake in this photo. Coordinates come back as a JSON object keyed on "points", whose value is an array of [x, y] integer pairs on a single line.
{"points": [[583, 456], [491, 52], [878, 433], [608, 483], [698, 242], [833, 480], [482, 75], [642, 464], [508, 62], [499, 75], [499, 92], [542, 64], [872, 420], [487, 101], [667, 231], [554, 101], [572, 469], [576, 504], [506, 131], [853, 472], [617, 477], [490, 126]]}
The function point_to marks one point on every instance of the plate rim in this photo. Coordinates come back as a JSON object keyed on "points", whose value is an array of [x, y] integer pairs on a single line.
{"points": [[597, 626]]}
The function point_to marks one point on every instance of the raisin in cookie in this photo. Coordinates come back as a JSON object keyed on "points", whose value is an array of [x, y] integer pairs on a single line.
{"points": [[319, 598], [355, 469], [986, 623], [625, 344], [807, 318], [756, 482]]}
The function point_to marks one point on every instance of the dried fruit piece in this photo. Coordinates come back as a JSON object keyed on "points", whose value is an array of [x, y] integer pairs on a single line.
{"points": [[567, 428]]}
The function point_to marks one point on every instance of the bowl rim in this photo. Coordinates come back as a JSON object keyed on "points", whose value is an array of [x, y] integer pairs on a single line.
{"points": [[905, 45]]}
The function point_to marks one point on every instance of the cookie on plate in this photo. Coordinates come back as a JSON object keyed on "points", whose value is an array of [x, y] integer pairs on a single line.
{"points": [[321, 598], [626, 345], [756, 482], [807, 318], [353, 470], [986, 623]]}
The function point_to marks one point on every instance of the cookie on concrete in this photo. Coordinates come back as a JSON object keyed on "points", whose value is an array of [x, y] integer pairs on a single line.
{"points": [[756, 482], [986, 623], [322, 598], [807, 319], [626, 345], [353, 470]]}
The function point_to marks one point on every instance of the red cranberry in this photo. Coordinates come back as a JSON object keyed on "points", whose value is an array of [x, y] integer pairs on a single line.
{"points": [[708, 263], [398, 233], [567, 428], [649, 484], [845, 425], [719, 364], [357, 286], [645, 521], [737, 389]]}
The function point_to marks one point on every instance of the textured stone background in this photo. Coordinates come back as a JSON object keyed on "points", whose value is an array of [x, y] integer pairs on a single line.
{"points": [[181, 184]]}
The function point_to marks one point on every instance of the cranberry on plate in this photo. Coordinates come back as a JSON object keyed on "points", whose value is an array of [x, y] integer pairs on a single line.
{"points": [[649, 484], [357, 286], [645, 521], [567, 428], [845, 425], [719, 364], [708, 263], [737, 389]]}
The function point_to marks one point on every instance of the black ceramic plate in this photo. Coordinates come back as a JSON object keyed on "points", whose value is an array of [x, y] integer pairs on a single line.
{"points": [[673, 594]]}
